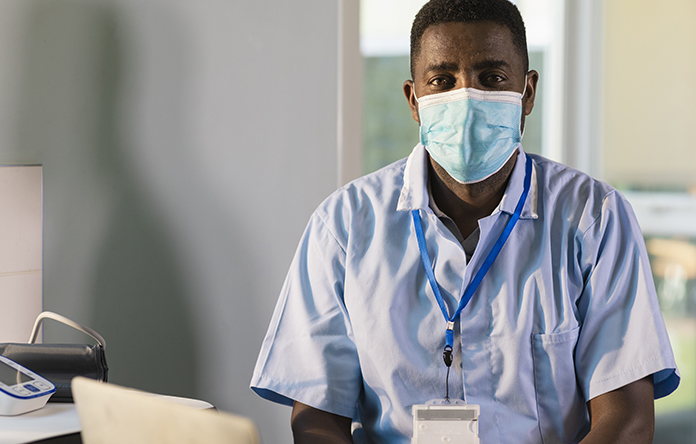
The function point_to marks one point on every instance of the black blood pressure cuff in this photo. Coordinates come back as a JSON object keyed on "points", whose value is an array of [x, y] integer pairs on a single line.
{"points": [[60, 363]]}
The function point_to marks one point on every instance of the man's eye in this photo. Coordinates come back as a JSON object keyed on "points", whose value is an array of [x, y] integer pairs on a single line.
{"points": [[440, 81], [494, 78]]}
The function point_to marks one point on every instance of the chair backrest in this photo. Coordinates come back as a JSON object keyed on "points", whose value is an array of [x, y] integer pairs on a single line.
{"points": [[110, 414]]}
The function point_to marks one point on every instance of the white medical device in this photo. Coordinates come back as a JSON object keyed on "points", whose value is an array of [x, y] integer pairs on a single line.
{"points": [[21, 390], [439, 421]]}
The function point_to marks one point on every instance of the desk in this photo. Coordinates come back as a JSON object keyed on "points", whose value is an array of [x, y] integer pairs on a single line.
{"points": [[57, 423]]}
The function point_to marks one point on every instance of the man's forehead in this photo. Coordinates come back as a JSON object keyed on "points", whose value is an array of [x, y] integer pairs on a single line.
{"points": [[480, 35], [479, 42]]}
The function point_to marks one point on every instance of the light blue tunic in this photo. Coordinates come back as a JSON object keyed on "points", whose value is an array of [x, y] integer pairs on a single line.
{"points": [[567, 312]]}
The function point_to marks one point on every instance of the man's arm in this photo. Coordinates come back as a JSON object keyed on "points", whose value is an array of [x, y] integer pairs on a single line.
{"points": [[310, 425], [625, 415]]}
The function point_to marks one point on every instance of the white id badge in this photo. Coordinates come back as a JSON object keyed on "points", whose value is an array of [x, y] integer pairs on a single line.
{"points": [[438, 421]]}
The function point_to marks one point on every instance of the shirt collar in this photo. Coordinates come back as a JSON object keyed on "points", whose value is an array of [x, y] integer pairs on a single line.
{"points": [[515, 186], [414, 192]]}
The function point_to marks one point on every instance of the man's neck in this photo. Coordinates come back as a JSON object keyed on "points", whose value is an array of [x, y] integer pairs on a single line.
{"points": [[467, 203]]}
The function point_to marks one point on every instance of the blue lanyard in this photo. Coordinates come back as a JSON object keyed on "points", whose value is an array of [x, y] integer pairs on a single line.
{"points": [[471, 288]]}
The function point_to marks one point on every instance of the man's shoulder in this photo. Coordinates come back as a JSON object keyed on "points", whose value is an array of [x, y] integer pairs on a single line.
{"points": [[557, 180], [570, 194], [377, 189], [360, 205]]}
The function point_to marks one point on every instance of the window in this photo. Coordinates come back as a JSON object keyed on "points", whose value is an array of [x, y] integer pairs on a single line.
{"points": [[648, 154]]}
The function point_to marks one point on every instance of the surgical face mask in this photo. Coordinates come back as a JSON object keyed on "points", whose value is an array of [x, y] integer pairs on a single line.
{"points": [[469, 132]]}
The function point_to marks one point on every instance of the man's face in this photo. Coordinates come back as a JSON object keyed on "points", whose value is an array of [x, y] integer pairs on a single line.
{"points": [[478, 55]]}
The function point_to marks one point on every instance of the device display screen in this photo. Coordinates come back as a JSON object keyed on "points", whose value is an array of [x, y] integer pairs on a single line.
{"points": [[11, 376]]}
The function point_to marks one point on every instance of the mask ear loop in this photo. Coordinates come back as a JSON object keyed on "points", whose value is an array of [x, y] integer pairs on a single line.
{"points": [[418, 102], [524, 91]]}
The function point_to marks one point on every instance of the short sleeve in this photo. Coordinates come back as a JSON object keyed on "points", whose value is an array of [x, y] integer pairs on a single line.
{"points": [[309, 354], [623, 337]]}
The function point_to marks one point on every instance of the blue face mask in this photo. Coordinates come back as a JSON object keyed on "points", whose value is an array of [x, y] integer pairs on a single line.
{"points": [[469, 132]]}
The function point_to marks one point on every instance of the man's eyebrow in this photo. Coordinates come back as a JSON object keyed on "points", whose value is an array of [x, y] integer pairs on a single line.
{"points": [[489, 64], [442, 66], [478, 66]]}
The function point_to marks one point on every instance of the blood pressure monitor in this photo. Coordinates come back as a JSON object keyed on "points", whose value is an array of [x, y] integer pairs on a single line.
{"points": [[21, 390]]}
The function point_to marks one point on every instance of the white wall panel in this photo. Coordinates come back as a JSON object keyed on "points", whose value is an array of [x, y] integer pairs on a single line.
{"points": [[20, 251]]}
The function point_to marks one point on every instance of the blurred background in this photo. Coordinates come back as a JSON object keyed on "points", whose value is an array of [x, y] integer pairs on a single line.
{"points": [[185, 144]]}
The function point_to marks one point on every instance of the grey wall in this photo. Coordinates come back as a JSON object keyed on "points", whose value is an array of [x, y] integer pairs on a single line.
{"points": [[184, 145]]}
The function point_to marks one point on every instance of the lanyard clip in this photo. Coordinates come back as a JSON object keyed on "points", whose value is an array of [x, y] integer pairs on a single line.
{"points": [[450, 325], [447, 356]]}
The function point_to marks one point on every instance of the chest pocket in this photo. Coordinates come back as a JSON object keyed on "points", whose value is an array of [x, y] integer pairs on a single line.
{"points": [[563, 417]]}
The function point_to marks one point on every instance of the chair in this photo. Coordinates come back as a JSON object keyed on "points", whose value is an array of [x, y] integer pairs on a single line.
{"points": [[110, 414]]}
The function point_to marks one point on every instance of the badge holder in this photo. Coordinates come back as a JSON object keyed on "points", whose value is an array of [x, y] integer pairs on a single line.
{"points": [[439, 421]]}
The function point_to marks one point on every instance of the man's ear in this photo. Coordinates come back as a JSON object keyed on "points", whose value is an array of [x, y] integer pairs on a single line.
{"points": [[531, 78], [410, 92]]}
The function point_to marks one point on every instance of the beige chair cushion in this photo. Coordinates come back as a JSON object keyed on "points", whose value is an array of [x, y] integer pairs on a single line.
{"points": [[110, 414]]}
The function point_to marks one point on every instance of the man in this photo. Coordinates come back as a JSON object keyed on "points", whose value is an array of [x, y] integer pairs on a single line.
{"points": [[541, 296]]}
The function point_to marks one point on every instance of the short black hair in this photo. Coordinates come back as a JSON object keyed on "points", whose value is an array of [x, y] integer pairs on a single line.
{"points": [[501, 12]]}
